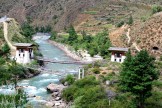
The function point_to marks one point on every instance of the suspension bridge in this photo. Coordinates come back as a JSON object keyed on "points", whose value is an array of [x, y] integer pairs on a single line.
{"points": [[64, 62]]}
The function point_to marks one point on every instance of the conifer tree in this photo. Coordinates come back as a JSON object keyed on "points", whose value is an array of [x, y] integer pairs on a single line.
{"points": [[72, 34], [137, 76]]}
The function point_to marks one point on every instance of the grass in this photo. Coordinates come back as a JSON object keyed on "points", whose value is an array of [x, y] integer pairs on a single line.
{"points": [[90, 12], [109, 26]]}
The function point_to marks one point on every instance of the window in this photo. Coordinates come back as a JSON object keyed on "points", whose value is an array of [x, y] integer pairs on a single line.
{"points": [[23, 55], [21, 50], [30, 55], [118, 55], [19, 54], [115, 60], [30, 50], [119, 60]]}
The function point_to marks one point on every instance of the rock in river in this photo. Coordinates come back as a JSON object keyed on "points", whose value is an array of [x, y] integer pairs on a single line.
{"points": [[55, 88]]}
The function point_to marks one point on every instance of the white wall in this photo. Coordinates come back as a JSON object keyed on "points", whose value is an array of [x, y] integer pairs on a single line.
{"points": [[117, 59], [23, 57]]}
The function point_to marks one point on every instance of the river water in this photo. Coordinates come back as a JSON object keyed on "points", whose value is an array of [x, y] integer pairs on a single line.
{"points": [[37, 85]]}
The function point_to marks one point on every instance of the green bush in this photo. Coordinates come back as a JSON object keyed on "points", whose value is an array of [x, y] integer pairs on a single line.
{"points": [[156, 9], [97, 44], [53, 35], [70, 79], [130, 20], [68, 94], [86, 93], [96, 70], [13, 101], [121, 23], [5, 48], [2, 61]]}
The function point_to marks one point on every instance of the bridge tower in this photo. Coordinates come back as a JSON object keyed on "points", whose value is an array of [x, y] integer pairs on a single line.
{"points": [[81, 73]]}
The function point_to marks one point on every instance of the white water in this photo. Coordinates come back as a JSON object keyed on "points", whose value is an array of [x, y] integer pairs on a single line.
{"points": [[37, 86]]}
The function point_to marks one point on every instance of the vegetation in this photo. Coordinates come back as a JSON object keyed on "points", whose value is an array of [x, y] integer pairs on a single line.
{"points": [[120, 24], [53, 35], [69, 79], [137, 76], [86, 93], [5, 49], [156, 9], [130, 20], [13, 101], [97, 44], [27, 30], [43, 29]]}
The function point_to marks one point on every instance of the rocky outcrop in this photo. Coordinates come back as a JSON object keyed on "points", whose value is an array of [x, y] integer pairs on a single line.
{"points": [[56, 101], [55, 88]]}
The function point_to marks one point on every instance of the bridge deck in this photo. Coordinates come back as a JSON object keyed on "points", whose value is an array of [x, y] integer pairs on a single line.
{"points": [[64, 62]]}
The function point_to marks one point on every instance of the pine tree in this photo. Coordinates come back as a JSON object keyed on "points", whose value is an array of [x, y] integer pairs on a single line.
{"points": [[72, 34], [130, 20], [137, 76]]}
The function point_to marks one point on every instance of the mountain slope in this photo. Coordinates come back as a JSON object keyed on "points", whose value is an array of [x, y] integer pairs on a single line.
{"points": [[44, 12], [149, 35]]}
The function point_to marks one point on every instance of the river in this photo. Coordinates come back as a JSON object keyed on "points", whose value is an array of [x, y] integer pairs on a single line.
{"points": [[37, 85]]}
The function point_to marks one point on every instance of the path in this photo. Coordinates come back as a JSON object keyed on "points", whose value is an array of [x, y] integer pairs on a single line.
{"points": [[134, 44], [5, 30], [128, 35]]}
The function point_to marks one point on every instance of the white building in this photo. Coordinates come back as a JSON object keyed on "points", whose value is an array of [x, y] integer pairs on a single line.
{"points": [[118, 54], [24, 52]]}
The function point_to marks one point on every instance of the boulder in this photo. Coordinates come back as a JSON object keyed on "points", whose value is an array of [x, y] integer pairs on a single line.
{"points": [[66, 84], [57, 103], [52, 88], [19, 87], [58, 98], [55, 94], [55, 88], [49, 104], [108, 82]]}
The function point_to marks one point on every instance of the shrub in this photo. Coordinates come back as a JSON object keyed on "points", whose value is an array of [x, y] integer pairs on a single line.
{"points": [[86, 93], [70, 79], [5, 48], [160, 58], [156, 9], [120, 24], [96, 70], [53, 35], [68, 94], [2, 61], [130, 20]]}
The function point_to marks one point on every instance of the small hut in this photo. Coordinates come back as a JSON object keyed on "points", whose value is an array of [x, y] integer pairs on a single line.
{"points": [[118, 54], [24, 52]]}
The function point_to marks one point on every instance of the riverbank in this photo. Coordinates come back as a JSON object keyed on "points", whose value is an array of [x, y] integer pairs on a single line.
{"points": [[67, 51], [80, 55]]}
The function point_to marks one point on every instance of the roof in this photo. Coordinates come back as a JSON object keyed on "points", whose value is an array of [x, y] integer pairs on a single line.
{"points": [[23, 44], [118, 49]]}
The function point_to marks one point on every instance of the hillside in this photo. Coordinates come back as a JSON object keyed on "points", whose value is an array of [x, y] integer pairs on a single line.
{"points": [[91, 16], [61, 13], [54, 12], [10, 34], [148, 35]]}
